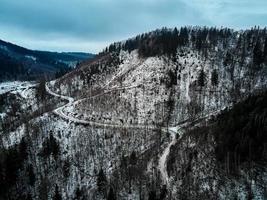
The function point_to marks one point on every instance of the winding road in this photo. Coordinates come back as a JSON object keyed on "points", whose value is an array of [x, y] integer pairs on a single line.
{"points": [[162, 163], [59, 111], [172, 130]]}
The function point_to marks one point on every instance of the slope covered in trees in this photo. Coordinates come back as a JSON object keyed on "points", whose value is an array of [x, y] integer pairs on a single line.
{"points": [[136, 121], [224, 157], [10, 68], [19, 63], [166, 41], [240, 132]]}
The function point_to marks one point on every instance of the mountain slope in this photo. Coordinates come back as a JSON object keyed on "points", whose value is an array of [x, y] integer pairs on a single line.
{"points": [[21, 63], [139, 122], [204, 80]]}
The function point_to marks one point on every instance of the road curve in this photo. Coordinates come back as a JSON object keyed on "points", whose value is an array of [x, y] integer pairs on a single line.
{"points": [[59, 111], [163, 158]]}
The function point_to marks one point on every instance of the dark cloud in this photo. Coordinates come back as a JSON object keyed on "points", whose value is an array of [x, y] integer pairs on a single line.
{"points": [[89, 25]]}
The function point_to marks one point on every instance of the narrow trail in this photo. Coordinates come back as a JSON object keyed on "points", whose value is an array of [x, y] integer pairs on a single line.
{"points": [[162, 165]]}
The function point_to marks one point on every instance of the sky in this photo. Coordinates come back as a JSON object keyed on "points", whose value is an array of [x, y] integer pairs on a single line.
{"points": [[91, 25]]}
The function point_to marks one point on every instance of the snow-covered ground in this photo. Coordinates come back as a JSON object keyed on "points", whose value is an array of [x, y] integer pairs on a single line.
{"points": [[163, 158], [16, 86], [60, 112], [14, 137]]}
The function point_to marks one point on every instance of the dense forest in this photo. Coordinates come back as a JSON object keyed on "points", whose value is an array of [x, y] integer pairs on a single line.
{"points": [[10, 68], [166, 41], [240, 133]]}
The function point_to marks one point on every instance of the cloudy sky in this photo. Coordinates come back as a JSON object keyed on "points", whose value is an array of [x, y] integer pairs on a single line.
{"points": [[90, 25]]}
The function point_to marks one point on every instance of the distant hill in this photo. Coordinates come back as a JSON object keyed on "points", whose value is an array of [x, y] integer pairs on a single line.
{"points": [[19, 63]]}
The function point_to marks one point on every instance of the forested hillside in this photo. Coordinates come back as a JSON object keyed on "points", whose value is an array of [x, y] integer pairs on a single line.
{"points": [[18, 63], [169, 114]]}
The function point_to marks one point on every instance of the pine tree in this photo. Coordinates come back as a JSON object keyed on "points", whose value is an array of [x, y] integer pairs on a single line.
{"points": [[54, 145], [66, 168], [111, 195], [29, 197], [163, 192], [43, 189], [101, 181], [184, 36], [257, 53], [214, 77], [50, 147], [23, 149], [201, 78], [31, 175], [133, 158], [57, 195], [152, 195], [79, 194], [41, 91], [265, 51]]}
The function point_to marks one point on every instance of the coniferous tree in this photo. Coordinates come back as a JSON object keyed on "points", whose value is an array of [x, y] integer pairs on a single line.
{"points": [[41, 91], [111, 195], [214, 78], [184, 36], [55, 148], [265, 51], [43, 188], [163, 192], [66, 168], [29, 197], [257, 54], [101, 181], [31, 175], [201, 78], [133, 158], [79, 195], [50, 147], [23, 149], [57, 195], [152, 195]]}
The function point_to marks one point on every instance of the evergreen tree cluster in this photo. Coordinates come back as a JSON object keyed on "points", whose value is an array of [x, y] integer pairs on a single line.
{"points": [[166, 42], [57, 195], [62, 71], [104, 65], [19, 63], [214, 77], [260, 52], [50, 147], [201, 78], [240, 133], [102, 185], [11, 161], [101, 181], [41, 91], [10, 68], [253, 42]]}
